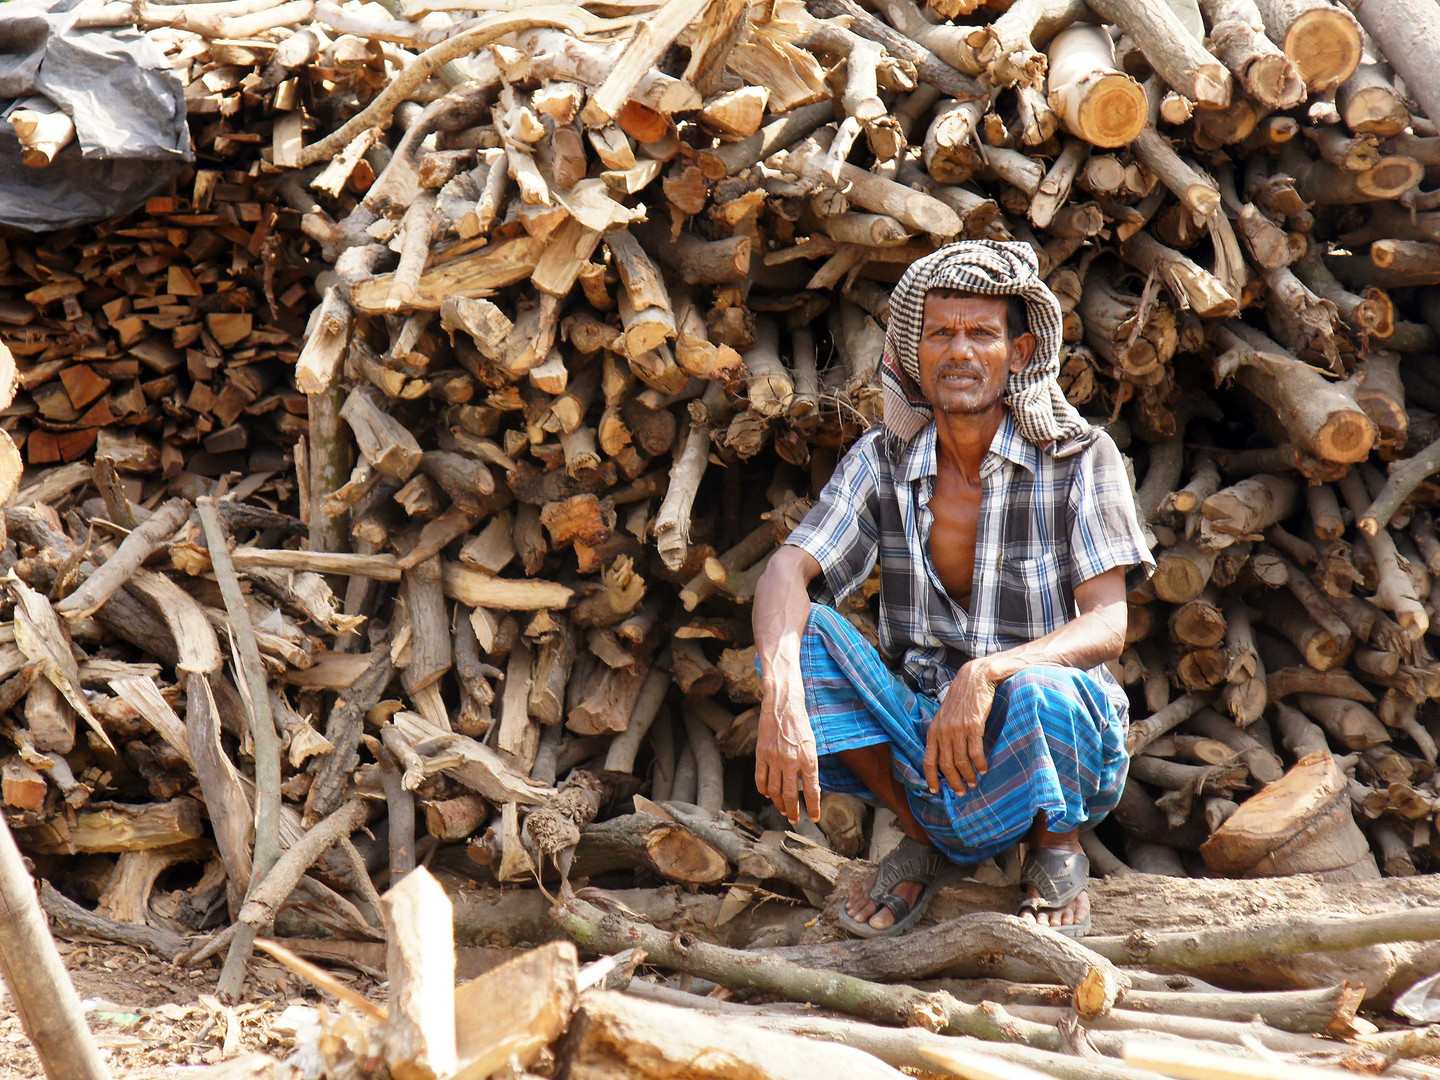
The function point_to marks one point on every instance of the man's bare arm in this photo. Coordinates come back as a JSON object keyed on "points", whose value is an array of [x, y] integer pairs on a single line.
{"points": [[1093, 637], [785, 760], [956, 744]]}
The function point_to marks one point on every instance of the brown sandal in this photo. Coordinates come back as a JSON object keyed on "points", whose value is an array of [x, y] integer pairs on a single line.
{"points": [[910, 861], [1060, 876]]}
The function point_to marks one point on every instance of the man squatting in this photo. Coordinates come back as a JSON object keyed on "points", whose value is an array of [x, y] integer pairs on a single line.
{"points": [[1006, 534]]}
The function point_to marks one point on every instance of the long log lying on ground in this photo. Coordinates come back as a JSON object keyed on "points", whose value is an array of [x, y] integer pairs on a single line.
{"points": [[597, 305]]}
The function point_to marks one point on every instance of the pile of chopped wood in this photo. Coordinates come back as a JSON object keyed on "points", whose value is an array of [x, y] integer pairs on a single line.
{"points": [[164, 341], [600, 293]]}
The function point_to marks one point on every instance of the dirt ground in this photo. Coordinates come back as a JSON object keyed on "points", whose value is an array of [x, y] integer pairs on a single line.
{"points": [[152, 1019]]}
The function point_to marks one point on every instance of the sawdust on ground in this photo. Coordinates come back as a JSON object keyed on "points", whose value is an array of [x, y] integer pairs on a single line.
{"points": [[152, 1019]]}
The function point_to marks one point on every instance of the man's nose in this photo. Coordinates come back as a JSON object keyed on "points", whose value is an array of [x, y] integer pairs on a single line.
{"points": [[961, 347]]}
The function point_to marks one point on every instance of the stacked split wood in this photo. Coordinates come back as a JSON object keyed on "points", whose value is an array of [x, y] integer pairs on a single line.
{"points": [[164, 340], [599, 300]]}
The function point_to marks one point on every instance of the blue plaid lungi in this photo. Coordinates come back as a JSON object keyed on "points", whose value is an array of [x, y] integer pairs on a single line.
{"points": [[1052, 742]]}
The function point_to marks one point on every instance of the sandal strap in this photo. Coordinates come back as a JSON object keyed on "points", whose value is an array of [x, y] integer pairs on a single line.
{"points": [[910, 861], [1060, 876], [898, 905]]}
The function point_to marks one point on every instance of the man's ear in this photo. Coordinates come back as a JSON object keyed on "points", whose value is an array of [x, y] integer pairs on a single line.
{"points": [[1022, 348]]}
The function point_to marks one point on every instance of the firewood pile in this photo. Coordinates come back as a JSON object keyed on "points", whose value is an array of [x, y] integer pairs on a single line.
{"points": [[612, 308], [598, 296]]}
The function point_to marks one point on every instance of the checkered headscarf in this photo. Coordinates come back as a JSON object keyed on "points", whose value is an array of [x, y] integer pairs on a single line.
{"points": [[988, 268]]}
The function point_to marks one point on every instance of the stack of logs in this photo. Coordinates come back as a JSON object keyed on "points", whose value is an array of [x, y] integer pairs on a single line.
{"points": [[599, 304], [646, 268]]}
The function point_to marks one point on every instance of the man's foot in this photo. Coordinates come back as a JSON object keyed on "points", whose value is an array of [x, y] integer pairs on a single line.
{"points": [[1054, 878], [897, 894], [1072, 914], [861, 908]]}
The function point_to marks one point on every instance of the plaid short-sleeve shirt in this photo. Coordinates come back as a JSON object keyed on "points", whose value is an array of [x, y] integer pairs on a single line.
{"points": [[1049, 520]]}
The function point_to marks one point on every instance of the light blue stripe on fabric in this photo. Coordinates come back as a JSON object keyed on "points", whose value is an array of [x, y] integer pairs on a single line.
{"points": [[1053, 742]]}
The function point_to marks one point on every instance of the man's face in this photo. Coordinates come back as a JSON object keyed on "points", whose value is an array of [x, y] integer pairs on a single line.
{"points": [[967, 353]]}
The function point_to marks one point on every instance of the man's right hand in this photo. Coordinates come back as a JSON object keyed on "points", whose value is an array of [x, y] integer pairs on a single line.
{"points": [[785, 761], [785, 758]]}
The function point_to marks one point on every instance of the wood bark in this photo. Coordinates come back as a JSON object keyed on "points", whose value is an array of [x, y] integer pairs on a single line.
{"points": [[40, 988]]}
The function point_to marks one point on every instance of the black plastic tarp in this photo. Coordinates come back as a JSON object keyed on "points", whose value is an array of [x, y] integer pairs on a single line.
{"points": [[127, 104]]}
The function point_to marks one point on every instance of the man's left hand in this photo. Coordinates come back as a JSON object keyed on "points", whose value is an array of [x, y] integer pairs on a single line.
{"points": [[955, 745]]}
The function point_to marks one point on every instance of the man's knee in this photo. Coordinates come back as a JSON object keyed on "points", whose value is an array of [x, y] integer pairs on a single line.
{"points": [[1044, 679], [1046, 691], [825, 622]]}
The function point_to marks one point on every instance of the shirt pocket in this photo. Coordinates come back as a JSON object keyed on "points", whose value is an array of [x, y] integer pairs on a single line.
{"points": [[1028, 603]]}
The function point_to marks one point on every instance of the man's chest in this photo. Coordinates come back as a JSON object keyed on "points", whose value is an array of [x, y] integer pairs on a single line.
{"points": [[991, 561], [954, 514]]}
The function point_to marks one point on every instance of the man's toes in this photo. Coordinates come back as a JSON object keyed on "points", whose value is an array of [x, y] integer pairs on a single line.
{"points": [[882, 919], [862, 912], [859, 898]]}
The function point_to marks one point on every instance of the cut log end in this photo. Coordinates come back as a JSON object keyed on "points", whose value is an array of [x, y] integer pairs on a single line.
{"points": [[1275, 81], [1375, 110], [1179, 581], [1325, 44], [1390, 178], [1203, 199], [1212, 88], [1346, 437], [1112, 112]]}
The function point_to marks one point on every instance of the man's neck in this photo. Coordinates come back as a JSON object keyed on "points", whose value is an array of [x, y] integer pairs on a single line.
{"points": [[964, 438]]}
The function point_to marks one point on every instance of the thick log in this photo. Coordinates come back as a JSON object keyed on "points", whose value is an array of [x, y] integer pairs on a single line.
{"points": [[1266, 72], [616, 1034], [1322, 40], [1322, 419], [668, 848], [114, 827], [1405, 31], [1330, 185], [1300, 824], [1172, 50]]}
